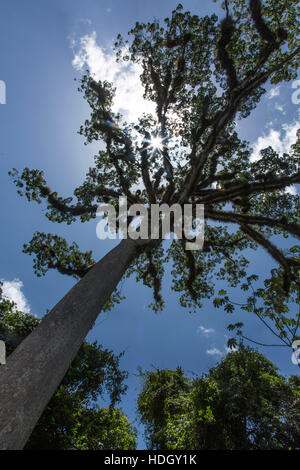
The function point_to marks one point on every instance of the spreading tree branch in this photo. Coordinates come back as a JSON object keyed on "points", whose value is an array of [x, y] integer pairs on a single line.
{"points": [[276, 254], [226, 216]]}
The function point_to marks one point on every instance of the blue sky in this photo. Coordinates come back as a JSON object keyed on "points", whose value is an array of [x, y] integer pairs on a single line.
{"points": [[43, 44]]}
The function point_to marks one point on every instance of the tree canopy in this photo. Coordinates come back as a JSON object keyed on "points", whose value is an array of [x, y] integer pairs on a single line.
{"points": [[241, 404], [203, 75]]}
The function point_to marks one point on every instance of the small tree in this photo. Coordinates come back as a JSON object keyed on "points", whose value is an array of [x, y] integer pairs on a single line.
{"points": [[241, 404], [202, 75], [159, 388]]}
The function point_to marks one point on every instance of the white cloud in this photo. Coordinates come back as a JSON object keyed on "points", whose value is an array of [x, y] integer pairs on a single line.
{"points": [[214, 352], [280, 141], [291, 190], [280, 108], [274, 92], [206, 331], [13, 291], [125, 76], [218, 352]]}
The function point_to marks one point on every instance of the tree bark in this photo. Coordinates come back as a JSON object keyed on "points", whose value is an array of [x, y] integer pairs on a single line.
{"points": [[35, 369]]}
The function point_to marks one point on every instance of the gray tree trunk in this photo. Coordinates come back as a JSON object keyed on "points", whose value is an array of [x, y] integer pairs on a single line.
{"points": [[35, 369]]}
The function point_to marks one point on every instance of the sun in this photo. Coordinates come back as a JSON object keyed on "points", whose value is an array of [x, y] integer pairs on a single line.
{"points": [[156, 143]]}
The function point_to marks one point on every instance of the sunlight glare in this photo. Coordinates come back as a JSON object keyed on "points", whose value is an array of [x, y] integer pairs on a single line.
{"points": [[156, 143]]}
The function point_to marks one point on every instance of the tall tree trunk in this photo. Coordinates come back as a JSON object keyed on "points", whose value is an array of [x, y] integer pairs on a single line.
{"points": [[35, 369]]}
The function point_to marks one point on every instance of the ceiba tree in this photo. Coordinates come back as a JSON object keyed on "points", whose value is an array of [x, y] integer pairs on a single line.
{"points": [[203, 75]]}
